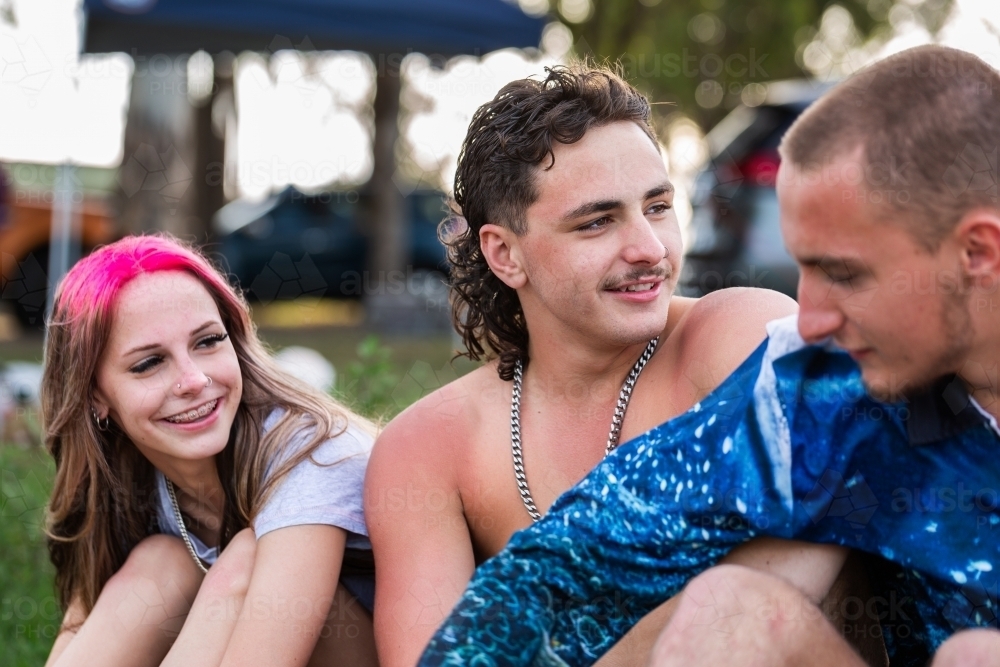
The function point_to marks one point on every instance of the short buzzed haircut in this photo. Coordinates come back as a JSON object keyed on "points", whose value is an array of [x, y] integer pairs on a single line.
{"points": [[927, 123]]}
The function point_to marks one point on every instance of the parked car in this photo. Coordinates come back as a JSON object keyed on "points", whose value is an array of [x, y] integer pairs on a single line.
{"points": [[736, 236], [293, 244]]}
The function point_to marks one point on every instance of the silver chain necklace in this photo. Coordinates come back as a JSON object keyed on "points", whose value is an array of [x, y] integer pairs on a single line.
{"points": [[184, 532], [616, 422]]}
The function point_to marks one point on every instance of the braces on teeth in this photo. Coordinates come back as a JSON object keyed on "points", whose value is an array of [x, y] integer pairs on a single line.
{"points": [[191, 415]]}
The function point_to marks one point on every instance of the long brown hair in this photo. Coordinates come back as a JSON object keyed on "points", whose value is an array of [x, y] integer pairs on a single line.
{"points": [[508, 138], [103, 500]]}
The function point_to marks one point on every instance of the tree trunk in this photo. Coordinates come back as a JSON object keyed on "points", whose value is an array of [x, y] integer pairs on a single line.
{"points": [[389, 234], [157, 171], [210, 147], [389, 240]]}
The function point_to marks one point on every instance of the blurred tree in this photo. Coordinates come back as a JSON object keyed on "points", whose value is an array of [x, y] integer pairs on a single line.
{"points": [[7, 13], [705, 55]]}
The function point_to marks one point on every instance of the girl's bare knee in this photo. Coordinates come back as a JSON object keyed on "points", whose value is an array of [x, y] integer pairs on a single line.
{"points": [[161, 559], [154, 589]]}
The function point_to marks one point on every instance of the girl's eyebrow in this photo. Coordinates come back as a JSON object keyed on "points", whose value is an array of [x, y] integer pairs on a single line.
{"points": [[152, 346]]}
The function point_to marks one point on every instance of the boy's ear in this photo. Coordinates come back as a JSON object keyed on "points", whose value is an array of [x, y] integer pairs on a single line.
{"points": [[503, 254], [978, 237]]}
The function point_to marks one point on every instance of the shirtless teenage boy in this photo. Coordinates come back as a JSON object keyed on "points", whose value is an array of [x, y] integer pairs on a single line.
{"points": [[568, 263]]}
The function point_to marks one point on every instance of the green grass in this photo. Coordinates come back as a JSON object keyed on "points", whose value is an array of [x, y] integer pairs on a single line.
{"points": [[377, 376], [27, 347], [29, 612]]}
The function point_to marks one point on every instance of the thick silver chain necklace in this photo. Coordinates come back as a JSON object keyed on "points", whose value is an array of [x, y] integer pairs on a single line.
{"points": [[616, 422], [184, 532]]}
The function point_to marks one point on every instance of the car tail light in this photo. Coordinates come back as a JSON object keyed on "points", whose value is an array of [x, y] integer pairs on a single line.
{"points": [[761, 168]]}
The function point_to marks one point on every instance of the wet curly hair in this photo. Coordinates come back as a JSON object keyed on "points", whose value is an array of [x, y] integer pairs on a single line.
{"points": [[508, 138]]}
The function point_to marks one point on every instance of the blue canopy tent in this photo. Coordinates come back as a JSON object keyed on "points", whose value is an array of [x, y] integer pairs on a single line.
{"points": [[446, 27], [385, 29]]}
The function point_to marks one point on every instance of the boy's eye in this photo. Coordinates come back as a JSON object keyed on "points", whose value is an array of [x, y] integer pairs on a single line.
{"points": [[840, 277], [660, 208], [595, 224]]}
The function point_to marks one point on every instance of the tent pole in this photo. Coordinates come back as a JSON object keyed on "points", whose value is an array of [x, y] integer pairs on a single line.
{"points": [[64, 241]]}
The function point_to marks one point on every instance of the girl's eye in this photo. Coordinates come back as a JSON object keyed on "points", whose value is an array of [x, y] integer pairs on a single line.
{"points": [[213, 340], [149, 362], [144, 365]]}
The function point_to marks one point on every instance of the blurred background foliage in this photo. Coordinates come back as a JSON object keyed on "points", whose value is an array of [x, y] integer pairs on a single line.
{"points": [[29, 613], [704, 56], [369, 380]]}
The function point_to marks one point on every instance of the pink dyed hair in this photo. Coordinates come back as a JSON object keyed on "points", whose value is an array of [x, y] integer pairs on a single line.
{"points": [[95, 282]]}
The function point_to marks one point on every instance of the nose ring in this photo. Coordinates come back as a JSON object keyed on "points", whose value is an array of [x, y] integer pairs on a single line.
{"points": [[207, 384]]}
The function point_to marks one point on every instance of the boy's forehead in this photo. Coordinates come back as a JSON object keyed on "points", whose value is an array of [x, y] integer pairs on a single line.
{"points": [[836, 230], [616, 161], [820, 201]]}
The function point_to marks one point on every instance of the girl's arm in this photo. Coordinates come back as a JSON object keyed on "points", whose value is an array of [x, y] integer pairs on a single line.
{"points": [[264, 602], [73, 618], [294, 578]]}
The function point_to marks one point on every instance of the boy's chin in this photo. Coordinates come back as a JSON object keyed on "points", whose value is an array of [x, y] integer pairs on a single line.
{"points": [[887, 387]]}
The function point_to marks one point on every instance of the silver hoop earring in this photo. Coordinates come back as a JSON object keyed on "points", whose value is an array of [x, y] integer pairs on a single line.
{"points": [[97, 420], [209, 382]]}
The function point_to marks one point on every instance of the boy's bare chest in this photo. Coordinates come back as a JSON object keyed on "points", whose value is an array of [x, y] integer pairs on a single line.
{"points": [[560, 443]]}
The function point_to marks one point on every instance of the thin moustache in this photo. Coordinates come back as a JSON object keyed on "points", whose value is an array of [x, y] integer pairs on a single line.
{"points": [[632, 277]]}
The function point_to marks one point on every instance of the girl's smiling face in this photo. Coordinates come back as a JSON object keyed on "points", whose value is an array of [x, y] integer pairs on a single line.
{"points": [[169, 376]]}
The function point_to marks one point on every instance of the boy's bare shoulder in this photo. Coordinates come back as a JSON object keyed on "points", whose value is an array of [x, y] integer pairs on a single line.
{"points": [[434, 427], [724, 327], [745, 309]]}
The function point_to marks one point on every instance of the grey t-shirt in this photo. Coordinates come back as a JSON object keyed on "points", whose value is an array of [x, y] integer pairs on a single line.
{"points": [[309, 493]]}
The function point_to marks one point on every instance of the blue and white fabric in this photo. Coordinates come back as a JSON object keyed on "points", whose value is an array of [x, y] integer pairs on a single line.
{"points": [[790, 446]]}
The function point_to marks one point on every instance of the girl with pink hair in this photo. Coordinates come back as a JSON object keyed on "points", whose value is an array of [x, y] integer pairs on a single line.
{"points": [[207, 505]]}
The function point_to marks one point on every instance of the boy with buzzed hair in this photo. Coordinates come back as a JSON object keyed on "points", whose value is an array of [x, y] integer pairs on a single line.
{"points": [[868, 421]]}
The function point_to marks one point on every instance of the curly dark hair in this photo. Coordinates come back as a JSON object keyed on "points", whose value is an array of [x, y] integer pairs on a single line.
{"points": [[508, 138]]}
